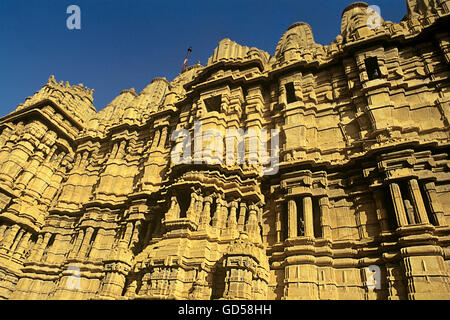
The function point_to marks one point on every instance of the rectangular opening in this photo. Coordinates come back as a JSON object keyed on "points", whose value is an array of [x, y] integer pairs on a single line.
{"points": [[411, 214], [317, 218], [284, 221], [213, 103], [184, 200], [300, 218], [290, 92], [372, 68], [389, 206], [212, 210]]}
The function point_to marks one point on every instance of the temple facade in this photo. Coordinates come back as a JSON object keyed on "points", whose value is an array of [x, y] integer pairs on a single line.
{"points": [[352, 200]]}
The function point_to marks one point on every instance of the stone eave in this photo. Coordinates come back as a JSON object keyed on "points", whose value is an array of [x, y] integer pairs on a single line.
{"points": [[304, 65], [180, 169], [221, 65], [166, 111], [54, 104], [351, 47], [87, 138], [399, 40], [125, 126], [230, 79], [32, 110], [346, 50], [309, 164]]}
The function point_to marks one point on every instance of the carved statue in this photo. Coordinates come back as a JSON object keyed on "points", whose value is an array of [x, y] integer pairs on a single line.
{"points": [[174, 210]]}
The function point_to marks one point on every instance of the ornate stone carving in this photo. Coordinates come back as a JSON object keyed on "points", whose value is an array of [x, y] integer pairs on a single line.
{"points": [[93, 206]]}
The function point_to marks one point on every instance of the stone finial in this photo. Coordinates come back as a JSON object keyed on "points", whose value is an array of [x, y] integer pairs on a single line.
{"points": [[51, 80]]}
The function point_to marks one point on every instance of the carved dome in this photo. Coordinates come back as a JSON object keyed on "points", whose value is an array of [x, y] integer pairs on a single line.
{"points": [[298, 36], [228, 50], [355, 16]]}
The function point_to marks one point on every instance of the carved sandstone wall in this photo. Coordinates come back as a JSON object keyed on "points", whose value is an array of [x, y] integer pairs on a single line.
{"points": [[92, 207]]}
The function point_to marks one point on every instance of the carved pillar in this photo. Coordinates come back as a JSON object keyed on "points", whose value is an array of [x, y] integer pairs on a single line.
{"points": [[278, 224], [41, 248], [5, 135], [399, 207], [206, 213], [198, 209], [115, 277], [23, 244], [122, 149], [292, 219], [6, 149], [155, 141], [56, 250], [117, 264], [131, 289], [252, 223], [30, 170], [77, 244], [218, 213], [84, 158], [308, 217], [190, 213], [13, 165], [51, 153], [162, 140], [44, 177], [200, 286], [85, 243], [410, 213], [10, 234], [436, 207], [417, 201], [2, 231], [381, 211], [238, 280], [55, 182], [325, 224], [224, 215], [97, 246], [127, 236], [242, 213], [244, 271], [17, 240], [232, 223], [112, 155], [36, 247]]}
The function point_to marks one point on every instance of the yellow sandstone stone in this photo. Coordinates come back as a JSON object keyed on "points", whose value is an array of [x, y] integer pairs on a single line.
{"points": [[94, 206]]}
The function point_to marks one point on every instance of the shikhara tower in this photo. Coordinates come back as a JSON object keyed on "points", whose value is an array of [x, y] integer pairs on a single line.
{"points": [[91, 206]]}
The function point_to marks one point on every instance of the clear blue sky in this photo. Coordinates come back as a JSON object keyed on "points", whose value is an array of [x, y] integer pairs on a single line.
{"points": [[125, 44]]}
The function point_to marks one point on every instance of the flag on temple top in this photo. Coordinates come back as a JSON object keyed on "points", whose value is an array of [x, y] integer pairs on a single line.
{"points": [[186, 60]]}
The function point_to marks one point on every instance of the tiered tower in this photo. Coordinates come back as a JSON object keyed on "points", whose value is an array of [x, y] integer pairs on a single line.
{"points": [[94, 206]]}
